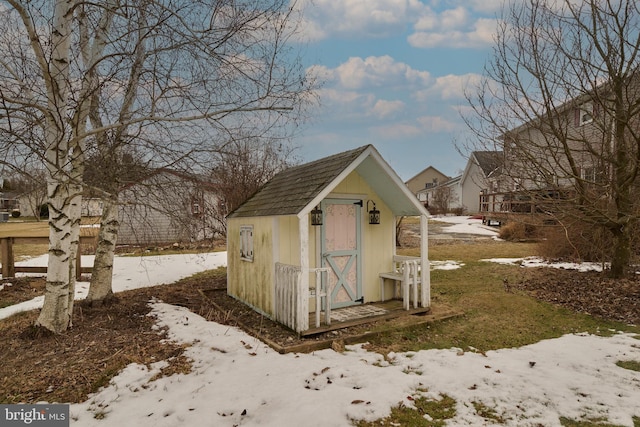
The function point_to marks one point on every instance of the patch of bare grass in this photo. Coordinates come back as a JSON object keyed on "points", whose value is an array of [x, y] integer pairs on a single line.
{"points": [[495, 314]]}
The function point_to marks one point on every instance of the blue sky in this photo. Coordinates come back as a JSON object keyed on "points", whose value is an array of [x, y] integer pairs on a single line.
{"points": [[394, 73]]}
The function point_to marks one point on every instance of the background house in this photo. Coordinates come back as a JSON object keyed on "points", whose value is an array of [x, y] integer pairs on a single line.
{"points": [[167, 207], [482, 175], [317, 216], [442, 198], [428, 178]]}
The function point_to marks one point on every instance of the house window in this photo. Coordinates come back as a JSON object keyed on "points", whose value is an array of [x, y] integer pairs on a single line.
{"points": [[246, 242], [590, 174], [584, 114]]}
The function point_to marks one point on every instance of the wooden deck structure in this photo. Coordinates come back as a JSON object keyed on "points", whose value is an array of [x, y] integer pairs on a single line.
{"points": [[524, 207]]}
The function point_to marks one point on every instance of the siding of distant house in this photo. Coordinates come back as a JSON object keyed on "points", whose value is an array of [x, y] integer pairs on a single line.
{"points": [[165, 208], [580, 129], [430, 177], [472, 184]]}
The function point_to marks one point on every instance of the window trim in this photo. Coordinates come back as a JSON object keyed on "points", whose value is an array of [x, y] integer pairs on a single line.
{"points": [[246, 243], [584, 111]]}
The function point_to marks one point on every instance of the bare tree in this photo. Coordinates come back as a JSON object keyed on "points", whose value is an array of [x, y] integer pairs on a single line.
{"points": [[562, 100], [242, 168], [166, 80], [442, 199]]}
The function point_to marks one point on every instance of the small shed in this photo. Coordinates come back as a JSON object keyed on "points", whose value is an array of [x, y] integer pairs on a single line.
{"points": [[321, 236]]}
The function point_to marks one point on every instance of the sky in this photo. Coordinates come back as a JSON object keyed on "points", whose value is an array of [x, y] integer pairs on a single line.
{"points": [[394, 74], [236, 380]]}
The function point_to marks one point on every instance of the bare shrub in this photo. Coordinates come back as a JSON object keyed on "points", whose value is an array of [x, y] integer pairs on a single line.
{"points": [[517, 231], [577, 241]]}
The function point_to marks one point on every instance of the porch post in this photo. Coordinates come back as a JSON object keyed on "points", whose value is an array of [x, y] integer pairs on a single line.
{"points": [[302, 303], [394, 237], [424, 262]]}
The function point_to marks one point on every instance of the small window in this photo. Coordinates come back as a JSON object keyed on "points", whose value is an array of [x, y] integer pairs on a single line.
{"points": [[246, 242], [585, 114], [590, 174]]}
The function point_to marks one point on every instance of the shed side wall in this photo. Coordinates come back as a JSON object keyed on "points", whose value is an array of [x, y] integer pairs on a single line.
{"points": [[252, 281]]}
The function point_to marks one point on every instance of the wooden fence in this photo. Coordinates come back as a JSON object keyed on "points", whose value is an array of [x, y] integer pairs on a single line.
{"points": [[9, 269]]}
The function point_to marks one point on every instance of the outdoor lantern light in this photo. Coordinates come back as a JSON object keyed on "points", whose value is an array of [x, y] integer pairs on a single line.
{"points": [[316, 216], [374, 214]]}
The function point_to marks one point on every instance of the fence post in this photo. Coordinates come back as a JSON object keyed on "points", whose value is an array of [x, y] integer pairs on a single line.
{"points": [[8, 267]]}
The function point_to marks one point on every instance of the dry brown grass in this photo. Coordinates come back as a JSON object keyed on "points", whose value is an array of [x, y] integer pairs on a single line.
{"points": [[24, 229]]}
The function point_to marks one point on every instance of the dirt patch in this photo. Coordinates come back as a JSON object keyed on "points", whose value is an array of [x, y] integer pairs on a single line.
{"points": [[15, 290]]}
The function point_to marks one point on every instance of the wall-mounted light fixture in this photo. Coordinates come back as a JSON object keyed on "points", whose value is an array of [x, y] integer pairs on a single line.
{"points": [[316, 216], [374, 214]]}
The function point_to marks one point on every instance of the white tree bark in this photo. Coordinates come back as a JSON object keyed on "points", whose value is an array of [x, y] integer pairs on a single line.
{"points": [[57, 310], [102, 276]]}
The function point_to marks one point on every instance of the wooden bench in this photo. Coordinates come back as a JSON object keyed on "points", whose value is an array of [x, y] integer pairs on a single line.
{"points": [[406, 273]]}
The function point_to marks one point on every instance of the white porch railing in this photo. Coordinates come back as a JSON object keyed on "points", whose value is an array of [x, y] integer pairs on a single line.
{"points": [[407, 272], [292, 301]]}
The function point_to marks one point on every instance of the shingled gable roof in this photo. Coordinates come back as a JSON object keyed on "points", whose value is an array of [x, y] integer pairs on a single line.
{"points": [[489, 161], [290, 191], [297, 190]]}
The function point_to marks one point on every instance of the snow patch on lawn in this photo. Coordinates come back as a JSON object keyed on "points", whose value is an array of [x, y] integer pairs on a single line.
{"points": [[540, 262]]}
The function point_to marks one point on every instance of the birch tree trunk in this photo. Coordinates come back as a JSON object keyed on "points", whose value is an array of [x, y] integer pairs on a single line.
{"points": [[100, 289], [101, 286], [57, 309]]}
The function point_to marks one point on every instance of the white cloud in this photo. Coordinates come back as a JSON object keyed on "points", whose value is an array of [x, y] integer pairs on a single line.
{"points": [[454, 87], [374, 71], [381, 87], [479, 34], [398, 131], [357, 18], [383, 109], [449, 87], [436, 124], [465, 24]]}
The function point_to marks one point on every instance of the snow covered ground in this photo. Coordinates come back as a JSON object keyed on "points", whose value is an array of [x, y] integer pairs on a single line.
{"points": [[466, 225], [239, 381]]}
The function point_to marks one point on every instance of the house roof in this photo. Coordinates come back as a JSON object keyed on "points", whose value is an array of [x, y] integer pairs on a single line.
{"points": [[423, 171], [489, 161], [448, 183], [297, 190]]}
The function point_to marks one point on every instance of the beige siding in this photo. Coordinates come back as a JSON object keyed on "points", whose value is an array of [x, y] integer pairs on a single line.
{"points": [[424, 178], [252, 281], [289, 240], [160, 210]]}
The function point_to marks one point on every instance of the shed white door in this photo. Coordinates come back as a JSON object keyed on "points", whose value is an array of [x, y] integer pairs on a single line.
{"points": [[341, 250]]}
